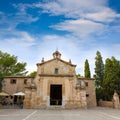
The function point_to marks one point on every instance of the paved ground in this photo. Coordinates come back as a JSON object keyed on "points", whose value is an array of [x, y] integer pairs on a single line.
{"points": [[79, 114]]}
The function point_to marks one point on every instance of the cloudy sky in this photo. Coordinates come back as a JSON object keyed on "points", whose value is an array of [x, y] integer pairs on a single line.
{"points": [[32, 29]]}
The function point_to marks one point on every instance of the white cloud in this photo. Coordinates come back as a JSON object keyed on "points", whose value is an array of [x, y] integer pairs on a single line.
{"points": [[90, 17], [97, 10], [29, 49], [81, 27], [23, 45], [113, 50], [17, 43], [71, 8], [72, 48], [105, 15], [87, 18], [52, 42]]}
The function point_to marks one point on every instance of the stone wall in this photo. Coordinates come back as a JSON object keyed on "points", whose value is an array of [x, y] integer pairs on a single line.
{"points": [[18, 86], [54, 72], [90, 91], [114, 103], [106, 104]]}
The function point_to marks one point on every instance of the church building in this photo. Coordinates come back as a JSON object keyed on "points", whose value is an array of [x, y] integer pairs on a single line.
{"points": [[55, 85]]}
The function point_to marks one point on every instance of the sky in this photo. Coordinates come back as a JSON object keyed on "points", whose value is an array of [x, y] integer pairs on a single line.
{"points": [[33, 29]]}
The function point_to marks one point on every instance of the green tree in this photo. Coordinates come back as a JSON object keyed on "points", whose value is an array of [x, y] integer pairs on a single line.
{"points": [[87, 73], [111, 79], [79, 76], [10, 66], [99, 68], [32, 74]]}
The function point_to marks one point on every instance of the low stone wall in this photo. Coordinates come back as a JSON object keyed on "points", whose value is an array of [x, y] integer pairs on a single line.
{"points": [[106, 104]]}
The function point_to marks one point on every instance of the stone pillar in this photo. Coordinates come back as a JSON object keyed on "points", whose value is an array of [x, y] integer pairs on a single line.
{"points": [[78, 98], [83, 98], [27, 99], [33, 98], [116, 100]]}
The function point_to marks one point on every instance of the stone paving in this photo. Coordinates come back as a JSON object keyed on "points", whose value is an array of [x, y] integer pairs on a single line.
{"points": [[97, 113]]}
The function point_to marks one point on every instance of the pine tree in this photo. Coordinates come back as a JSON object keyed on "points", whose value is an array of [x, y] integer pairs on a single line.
{"points": [[9, 66], [87, 73]]}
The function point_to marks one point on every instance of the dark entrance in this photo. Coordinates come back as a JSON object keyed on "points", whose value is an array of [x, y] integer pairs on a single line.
{"points": [[56, 95]]}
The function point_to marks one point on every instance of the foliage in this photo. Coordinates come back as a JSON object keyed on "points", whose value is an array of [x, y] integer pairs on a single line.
{"points": [[101, 93], [78, 76], [111, 79], [99, 68], [10, 66], [87, 70], [32, 74]]}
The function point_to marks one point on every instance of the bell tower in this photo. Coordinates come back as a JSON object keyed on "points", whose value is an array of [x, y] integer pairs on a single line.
{"points": [[57, 54]]}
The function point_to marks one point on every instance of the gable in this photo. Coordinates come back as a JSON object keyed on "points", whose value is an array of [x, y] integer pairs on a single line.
{"points": [[56, 65], [56, 59]]}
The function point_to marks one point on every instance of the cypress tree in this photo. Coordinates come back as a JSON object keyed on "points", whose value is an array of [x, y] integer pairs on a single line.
{"points": [[87, 73], [99, 68]]}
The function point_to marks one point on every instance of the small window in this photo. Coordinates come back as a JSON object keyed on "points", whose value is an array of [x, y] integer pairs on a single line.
{"points": [[25, 81], [56, 71], [87, 95], [86, 84], [13, 81]]}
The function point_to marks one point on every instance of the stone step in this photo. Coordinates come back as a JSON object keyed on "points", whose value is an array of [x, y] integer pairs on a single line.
{"points": [[55, 107]]}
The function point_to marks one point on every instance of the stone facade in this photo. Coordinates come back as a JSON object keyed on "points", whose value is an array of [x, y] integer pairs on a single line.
{"points": [[56, 85], [14, 84], [90, 92]]}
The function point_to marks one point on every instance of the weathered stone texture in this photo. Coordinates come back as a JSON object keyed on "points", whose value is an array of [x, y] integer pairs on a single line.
{"points": [[56, 74], [19, 85]]}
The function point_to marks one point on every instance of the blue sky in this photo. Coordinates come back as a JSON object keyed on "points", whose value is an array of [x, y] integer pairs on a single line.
{"points": [[32, 29]]}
